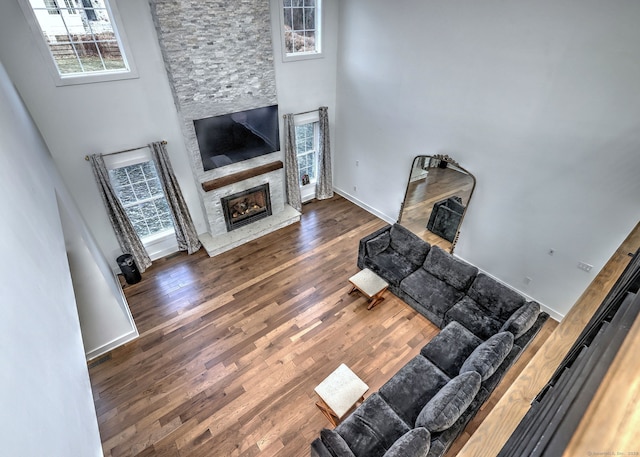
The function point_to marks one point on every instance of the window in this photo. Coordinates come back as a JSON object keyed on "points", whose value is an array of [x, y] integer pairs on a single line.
{"points": [[307, 152], [301, 28], [141, 194], [80, 38], [52, 6]]}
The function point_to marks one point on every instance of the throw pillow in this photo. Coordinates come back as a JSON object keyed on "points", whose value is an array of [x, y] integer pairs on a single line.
{"points": [[486, 358], [415, 443], [522, 319], [378, 244], [446, 407], [335, 443]]}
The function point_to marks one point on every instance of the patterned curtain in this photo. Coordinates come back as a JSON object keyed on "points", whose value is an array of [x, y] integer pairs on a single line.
{"points": [[183, 224], [324, 184], [291, 163], [125, 233]]}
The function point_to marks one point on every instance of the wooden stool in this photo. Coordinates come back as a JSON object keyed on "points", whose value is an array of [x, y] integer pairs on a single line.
{"points": [[370, 285], [339, 393]]}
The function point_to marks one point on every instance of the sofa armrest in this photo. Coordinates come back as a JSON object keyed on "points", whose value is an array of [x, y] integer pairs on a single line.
{"points": [[362, 249], [318, 449], [522, 319]]}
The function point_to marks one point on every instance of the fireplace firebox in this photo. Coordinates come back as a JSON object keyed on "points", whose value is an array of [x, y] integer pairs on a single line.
{"points": [[246, 207]]}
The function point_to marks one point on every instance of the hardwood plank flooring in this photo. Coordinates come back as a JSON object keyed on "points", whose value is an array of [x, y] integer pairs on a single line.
{"points": [[231, 347]]}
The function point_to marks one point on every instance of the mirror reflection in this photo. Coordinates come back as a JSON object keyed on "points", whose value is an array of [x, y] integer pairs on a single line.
{"points": [[438, 193]]}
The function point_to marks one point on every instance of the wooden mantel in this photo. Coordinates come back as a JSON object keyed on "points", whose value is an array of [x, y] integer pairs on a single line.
{"points": [[241, 176]]}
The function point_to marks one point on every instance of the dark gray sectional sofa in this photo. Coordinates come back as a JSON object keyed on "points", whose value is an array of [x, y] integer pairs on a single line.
{"points": [[485, 325]]}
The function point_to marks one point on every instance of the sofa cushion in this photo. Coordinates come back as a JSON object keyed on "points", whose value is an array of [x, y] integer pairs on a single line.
{"points": [[390, 266], [450, 348], [444, 409], [430, 292], [522, 319], [487, 357], [412, 387], [408, 245], [497, 298], [474, 317], [372, 428], [414, 443], [378, 244], [447, 268], [335, 444]]}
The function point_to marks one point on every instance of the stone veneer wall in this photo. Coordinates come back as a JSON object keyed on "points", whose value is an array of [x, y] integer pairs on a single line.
{"points": [[219, 59]]}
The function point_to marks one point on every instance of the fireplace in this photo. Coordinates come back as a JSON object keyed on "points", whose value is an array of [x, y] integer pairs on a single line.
{"points": [[246, 207]]}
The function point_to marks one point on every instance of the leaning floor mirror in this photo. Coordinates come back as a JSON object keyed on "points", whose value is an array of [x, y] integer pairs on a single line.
{"points": [[437, 196]]}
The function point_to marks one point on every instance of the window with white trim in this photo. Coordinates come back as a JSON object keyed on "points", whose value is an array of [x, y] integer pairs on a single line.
{"points": [[301, 27], [140, 192], [81, 38], [307, 143]]}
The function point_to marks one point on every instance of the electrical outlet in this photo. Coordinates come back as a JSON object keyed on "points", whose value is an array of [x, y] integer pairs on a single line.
{"points": [[355, 188], [584, 266]]}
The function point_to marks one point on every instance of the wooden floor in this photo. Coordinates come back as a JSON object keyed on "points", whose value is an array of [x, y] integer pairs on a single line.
{"points": [[422, 194], [231, 347]]}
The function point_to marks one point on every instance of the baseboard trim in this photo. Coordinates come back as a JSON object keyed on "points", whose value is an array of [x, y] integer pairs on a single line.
{"points": [[111, 345], [123, 339], [551, 312], [364, 206]]}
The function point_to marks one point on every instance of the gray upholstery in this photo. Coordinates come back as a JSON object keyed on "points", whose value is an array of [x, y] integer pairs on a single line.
{"points": [[486, 358], [335, 444], [412, 387], [474, 317], [414, 443], [500, 300], [372, 428], [445, 218], [447, 268], [404, 253], [522, 319], [454, 374], [409, 245], [446, 407], [431, 292], [378, 244], [450, 348], [391, 266]]}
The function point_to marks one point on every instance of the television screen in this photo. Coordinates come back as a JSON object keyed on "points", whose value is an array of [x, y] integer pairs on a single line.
{"points": [[234, 137]]}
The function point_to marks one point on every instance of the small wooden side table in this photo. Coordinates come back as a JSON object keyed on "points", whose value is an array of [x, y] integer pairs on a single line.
{"points": [[339, 393], [370, 285]]}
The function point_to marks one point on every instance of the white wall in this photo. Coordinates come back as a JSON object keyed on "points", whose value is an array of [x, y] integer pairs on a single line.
{"points": [[105, 319], [304, 85], [540, 100], [47, 404], [100, 117]]}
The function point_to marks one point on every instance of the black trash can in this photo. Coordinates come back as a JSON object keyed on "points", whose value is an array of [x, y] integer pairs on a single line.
{"points": [[129, 268]]}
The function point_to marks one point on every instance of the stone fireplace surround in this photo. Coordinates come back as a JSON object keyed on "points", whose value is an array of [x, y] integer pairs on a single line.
{"points": [[212, 70], [219, 239]]}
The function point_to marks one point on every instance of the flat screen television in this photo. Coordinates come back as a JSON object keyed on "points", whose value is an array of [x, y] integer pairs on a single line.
{"points": [[234, 137]]}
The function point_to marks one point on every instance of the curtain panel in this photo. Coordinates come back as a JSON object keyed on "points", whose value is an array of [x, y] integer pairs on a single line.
{"points": [[291, 164], [126, 235], [324, 183], [185, 230]]}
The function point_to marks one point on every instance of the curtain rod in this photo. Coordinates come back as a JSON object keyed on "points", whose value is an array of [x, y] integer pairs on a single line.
{"points": [[124, 150], [304, 112]]}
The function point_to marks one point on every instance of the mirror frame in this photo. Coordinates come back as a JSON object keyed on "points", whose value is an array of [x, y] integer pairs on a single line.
{"points": [[444, 158]]}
